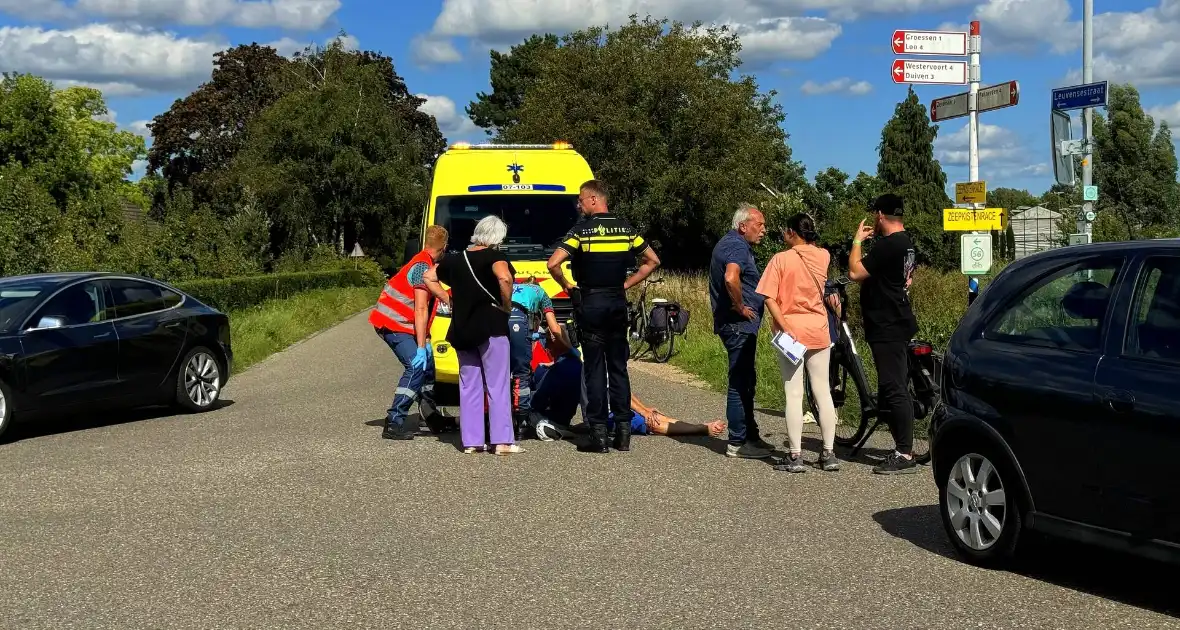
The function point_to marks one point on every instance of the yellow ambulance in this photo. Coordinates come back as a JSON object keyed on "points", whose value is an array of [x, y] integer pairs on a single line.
{"points": [[532, 187]]}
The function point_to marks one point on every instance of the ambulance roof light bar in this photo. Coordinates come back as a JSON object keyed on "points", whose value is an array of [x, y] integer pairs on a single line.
{"points": [[556, 145]]}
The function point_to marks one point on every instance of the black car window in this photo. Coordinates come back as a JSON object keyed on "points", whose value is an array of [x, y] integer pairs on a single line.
{"points": [[171, 298], [79, 304], [133, 297], [1065, 309], [1155, 329]]}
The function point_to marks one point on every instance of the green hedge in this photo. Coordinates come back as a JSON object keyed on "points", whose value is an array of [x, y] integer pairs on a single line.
{"points": [[227, 294]]}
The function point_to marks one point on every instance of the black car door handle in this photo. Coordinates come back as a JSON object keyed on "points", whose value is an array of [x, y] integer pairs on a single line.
{"points": [[1120, 401], [173, 324], [103, 335]]}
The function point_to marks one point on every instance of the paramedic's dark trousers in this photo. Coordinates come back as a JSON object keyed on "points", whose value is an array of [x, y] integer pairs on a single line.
{"points": [[602, 322]]}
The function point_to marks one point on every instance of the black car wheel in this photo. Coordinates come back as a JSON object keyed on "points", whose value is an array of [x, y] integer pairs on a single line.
{"points": [[979, 502], [199, 380], [5, 408]]}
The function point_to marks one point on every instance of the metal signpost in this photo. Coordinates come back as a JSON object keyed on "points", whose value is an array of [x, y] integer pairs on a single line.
{"points": [[1085, 97], [972, 194]]}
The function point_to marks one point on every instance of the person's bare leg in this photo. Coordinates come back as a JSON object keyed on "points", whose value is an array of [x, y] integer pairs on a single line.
{"points": [[660, 424]]}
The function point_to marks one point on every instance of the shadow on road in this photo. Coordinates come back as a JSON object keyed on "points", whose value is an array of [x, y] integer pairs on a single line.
{"points": [[82, 421], [1124, 578], [445, 434]]}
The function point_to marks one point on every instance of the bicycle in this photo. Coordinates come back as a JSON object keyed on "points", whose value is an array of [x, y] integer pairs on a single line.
{"points": [[924, 376], [652, 329]]}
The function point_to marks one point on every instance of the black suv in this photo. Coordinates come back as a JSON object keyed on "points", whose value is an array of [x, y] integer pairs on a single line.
{"points": [[1061, 404]]}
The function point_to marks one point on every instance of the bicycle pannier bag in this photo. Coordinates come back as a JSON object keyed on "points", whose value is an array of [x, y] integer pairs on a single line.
{"points": [[678, 320], [659, 318]]}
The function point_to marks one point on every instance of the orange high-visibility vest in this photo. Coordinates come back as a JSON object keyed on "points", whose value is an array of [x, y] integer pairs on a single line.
{"points": [[395, 307]]}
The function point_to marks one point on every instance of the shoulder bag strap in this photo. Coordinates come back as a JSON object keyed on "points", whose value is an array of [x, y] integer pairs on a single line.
{"points": [[495, 300], [822, 297]]}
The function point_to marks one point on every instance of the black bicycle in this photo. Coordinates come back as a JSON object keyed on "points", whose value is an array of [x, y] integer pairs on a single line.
{"points": [[856, 407], [656, 328]]}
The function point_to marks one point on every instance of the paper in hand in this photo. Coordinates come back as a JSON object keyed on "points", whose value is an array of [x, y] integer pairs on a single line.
{"points": [[788, 347]]}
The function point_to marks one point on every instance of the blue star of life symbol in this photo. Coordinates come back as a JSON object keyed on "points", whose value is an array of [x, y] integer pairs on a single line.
{"points": [[515, 168]]}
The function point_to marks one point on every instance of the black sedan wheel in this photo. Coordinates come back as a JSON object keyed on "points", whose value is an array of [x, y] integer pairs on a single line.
{"points": [[979, 507], [5, 408], [198, 382]]}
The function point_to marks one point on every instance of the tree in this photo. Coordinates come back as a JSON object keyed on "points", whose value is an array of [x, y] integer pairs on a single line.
{"points": [[200, 134], [341, 157], [1010, 199], [512, 73], [1135, 170], [655, 110], [907, 168]]}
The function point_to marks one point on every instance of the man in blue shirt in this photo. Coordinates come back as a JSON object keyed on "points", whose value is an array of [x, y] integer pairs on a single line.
{"points": [[737, 315], [530, 304]]}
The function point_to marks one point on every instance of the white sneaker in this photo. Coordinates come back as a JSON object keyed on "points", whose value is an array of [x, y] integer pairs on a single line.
{"points": [[546, 432]]}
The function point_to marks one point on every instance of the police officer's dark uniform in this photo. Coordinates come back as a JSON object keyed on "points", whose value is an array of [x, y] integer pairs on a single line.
{"points": [[602, 247]]}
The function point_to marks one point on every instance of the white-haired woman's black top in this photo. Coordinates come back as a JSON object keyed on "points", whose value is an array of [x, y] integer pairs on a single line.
{"points": [[475, 315]]}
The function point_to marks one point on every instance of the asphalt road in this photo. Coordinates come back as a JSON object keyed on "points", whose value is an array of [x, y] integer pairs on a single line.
{"points": [[286, 509]]}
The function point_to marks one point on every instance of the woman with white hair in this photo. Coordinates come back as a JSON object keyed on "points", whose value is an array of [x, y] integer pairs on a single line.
{"points": [[481, 299]]}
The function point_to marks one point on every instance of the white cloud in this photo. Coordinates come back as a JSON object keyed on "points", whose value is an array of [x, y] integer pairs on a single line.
{"points": [[1139, 47], [288, 46], [792, 38], [770, 29], [108, 89], [289, 14], [843, 85], [430, 51], [1166, 113], [452, 121], [101, 55], [1002, 153], [140, 127]]}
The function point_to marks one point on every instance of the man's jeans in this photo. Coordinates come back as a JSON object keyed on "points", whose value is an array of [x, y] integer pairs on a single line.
{"points": [[414, 385], [739, 398], [521, 364]]}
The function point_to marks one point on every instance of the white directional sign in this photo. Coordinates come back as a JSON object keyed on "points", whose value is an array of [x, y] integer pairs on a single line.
{"points": [[989, 98], [929, 43], [976, 255], [929, 72]]}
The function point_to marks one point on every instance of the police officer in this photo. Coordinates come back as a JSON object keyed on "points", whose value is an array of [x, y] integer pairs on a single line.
{"points": [[601, 248]]}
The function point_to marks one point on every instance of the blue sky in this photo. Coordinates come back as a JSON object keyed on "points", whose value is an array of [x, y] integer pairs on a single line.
{"points": [[828, 59]]}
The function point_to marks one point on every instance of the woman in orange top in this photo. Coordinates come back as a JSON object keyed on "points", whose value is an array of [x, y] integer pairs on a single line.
{"points": [[792, 284]]}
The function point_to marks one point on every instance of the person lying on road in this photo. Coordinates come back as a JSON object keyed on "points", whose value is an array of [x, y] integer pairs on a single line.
{"points": [[557, 394]]}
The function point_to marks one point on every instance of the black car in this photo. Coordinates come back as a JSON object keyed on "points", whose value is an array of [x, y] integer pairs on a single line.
{"points": [[1061, 404], [72, 341]]}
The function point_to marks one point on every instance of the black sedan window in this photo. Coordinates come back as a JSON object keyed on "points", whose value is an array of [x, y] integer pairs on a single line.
{"points": [[76, 305], [133, 297], [16, 298], [1065, 310]]}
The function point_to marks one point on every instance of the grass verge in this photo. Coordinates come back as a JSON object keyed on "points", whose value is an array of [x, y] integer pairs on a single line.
{"points": [[260, 331]]}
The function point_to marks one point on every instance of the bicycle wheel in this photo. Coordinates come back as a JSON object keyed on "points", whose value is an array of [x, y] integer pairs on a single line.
{"points": [[637, 335], [924, 428], [851, 413], [661, 346]]}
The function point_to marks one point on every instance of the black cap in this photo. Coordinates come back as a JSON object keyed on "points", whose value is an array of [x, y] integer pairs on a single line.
{"points": [[888, 204]]}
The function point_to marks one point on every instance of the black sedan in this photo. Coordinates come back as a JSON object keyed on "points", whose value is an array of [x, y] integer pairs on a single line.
{"points": [[76, 341], [1061, 405]]}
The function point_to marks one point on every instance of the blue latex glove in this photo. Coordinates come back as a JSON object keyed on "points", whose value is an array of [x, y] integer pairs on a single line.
{"points": [[535, 336], [420, 357]]}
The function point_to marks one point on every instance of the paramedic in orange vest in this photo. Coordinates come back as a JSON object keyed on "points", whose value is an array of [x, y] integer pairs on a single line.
{"points": [[402, 318]]}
